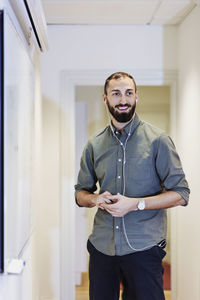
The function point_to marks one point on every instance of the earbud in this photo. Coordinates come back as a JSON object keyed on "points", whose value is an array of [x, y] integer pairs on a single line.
{"points": [[136, 100]]}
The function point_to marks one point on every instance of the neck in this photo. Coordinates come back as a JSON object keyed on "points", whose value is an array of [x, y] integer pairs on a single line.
{"points": [[119, 125]]}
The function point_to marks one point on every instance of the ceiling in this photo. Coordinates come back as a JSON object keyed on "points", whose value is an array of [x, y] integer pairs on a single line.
{"points": [[164, 12]]}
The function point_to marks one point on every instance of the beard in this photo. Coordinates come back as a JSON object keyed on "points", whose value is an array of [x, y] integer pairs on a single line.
{"points": [[122, 117]]}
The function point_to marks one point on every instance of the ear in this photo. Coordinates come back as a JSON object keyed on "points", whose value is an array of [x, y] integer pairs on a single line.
{"points": [[104, 98], [136, 97]]}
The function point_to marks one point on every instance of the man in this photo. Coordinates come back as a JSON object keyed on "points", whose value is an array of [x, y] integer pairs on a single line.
{"points": [[140, 175]]}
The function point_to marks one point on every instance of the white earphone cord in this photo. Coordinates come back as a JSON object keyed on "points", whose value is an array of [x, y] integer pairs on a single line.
{"points": [[124, 184]]}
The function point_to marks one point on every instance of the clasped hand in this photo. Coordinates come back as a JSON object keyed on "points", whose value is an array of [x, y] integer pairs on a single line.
{"points": [[117, 205]]}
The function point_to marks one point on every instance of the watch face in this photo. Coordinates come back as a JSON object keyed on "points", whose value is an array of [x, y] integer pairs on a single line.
{"points": [[141, 205]]}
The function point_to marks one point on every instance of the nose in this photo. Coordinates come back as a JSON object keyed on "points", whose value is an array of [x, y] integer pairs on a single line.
{"points": [[123, 99]]}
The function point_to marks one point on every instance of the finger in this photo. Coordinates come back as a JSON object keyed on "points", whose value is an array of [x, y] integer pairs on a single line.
{"points": [[107, 193], [115, 214], [110, 209], [113, 197], [107, 201], [107, 207], [103, 200], [113, 206]]}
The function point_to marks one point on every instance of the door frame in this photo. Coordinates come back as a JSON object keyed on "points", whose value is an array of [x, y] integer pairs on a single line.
{"points": [[69, 80]]}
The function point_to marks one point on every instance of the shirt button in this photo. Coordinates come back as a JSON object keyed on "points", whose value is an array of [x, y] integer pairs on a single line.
{"points": [[119, 177], [119, 159], [117, 227]]}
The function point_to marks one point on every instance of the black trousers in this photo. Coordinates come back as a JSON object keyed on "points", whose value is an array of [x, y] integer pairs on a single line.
{"points": [[140, 272]]}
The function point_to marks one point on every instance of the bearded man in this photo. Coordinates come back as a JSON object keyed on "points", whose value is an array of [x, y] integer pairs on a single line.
{"points": [[140, 176]]}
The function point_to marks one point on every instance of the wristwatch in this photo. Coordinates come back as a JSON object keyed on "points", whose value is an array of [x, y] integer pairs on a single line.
{"points": [[141, 204]]}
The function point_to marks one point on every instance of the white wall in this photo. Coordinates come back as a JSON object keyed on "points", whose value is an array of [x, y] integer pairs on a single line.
{"points": [[76, 47], [48, 221], [19, 287], [111, 47], [188, 121], [25, 285]]}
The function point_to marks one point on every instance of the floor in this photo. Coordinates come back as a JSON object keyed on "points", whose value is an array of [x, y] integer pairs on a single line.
{"points": [[82, 291]]}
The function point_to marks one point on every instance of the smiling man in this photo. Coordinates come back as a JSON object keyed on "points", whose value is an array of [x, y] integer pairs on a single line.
{"points": [[122, 100], [140, 175]]}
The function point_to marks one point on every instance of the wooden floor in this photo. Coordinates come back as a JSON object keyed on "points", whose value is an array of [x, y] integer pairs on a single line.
{"points": [[82, 291]]}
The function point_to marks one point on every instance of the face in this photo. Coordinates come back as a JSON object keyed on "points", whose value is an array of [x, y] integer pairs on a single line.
{"points": [[121, 99]]}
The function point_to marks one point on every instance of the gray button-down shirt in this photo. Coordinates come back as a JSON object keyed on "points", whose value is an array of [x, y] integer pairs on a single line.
{"points": [[142, 167]]}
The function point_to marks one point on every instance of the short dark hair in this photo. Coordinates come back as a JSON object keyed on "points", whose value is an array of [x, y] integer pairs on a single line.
{"points": [[117, 75]]}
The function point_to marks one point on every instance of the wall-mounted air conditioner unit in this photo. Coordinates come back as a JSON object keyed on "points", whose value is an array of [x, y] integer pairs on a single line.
{"points": [[30, 15]]}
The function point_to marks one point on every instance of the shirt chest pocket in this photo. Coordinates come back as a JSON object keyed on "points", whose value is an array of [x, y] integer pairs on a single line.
{"points": [[139, 167]]}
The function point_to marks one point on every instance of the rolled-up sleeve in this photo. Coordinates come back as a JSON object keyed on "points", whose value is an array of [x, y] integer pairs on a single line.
{"points": [[86, 178], [169, 168]]}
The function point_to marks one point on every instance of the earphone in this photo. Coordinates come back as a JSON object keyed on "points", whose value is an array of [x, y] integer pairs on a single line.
{"points": [[124, 183]]}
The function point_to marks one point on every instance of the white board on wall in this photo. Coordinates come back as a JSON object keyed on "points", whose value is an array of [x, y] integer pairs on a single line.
{"points": [[18, 140]]}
